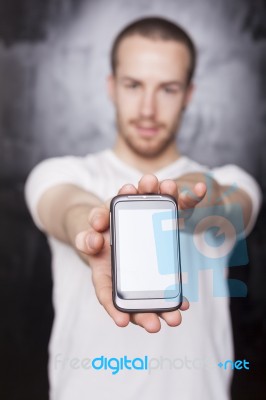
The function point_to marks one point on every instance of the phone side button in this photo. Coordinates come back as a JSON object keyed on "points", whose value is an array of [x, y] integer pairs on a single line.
{"points": [[110, 231]]}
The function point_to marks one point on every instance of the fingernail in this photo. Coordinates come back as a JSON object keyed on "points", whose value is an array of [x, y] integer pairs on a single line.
{"points": [[80, 240]]}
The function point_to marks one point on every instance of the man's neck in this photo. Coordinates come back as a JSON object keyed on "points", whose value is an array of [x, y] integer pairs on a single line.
{"points": [[147, 165]]}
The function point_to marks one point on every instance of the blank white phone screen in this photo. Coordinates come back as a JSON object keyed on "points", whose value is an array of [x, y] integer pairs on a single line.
{"points": [[139, 248]]}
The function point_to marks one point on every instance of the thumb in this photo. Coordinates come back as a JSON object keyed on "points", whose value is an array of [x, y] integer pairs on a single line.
{"points": [[189, 199], [89, 242]]}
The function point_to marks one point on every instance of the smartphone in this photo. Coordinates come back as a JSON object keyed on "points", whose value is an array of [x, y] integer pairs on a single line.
{"points": [[145, 253]]}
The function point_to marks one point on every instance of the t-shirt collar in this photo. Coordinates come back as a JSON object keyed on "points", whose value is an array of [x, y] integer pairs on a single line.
{"points": [[177, 164]]}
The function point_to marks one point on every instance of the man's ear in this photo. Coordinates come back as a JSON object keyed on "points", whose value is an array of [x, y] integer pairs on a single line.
{"points": [[189, 93], [110, 82]]}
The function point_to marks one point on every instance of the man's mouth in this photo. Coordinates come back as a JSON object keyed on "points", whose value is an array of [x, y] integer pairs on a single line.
{"points": [[147, 130]]}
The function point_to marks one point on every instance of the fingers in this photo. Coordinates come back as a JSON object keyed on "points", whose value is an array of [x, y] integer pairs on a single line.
{"points": [[148, 184], [172, 318], [92, 241], [188, 199], [89, 242], [99, 218], [149, 321], [185, 304], [200, 189], [128, 189], [169, 186]]}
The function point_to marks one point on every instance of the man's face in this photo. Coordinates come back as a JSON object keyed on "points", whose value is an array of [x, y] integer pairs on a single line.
{"points": [[150, 91]]}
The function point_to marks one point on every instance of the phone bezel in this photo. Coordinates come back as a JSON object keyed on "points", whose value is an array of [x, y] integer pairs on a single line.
{"points": [[147, 304]]}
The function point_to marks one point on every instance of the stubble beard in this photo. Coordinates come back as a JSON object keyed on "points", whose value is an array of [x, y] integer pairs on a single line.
{"points": [[140, 146]]}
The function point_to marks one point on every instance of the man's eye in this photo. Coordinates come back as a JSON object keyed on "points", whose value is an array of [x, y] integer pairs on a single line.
{"points": [[170, 90], [132, 85]]}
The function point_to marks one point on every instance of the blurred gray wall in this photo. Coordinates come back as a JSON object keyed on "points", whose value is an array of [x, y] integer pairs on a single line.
{"points": [[53, 98], [54, 57]]}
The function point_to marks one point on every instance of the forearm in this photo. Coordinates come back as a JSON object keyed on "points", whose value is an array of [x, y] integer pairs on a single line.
{"points": [[64, 211]]}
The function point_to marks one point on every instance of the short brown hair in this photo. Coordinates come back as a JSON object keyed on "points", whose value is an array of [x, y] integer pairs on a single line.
{"points": [[155, 28]]}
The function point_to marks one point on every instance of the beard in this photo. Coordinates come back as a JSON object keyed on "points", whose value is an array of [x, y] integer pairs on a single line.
{"points": [[146, 147]]}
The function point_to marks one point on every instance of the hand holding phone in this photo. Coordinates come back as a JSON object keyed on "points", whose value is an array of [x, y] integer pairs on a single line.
{"points": [[99, 258]]}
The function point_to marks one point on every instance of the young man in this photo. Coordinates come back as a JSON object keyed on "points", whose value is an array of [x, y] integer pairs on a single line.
{"points": [[151, 84]]}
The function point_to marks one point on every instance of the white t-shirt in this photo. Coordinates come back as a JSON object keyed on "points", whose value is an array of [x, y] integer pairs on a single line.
{"points": [[86, 346]]}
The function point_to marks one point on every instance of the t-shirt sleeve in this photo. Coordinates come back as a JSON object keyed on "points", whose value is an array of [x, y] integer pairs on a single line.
{"points": [[234, 175], [49, 173]]}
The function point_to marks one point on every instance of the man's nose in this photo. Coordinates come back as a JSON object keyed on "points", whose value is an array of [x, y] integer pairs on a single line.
{"points": [[148, 105]]}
